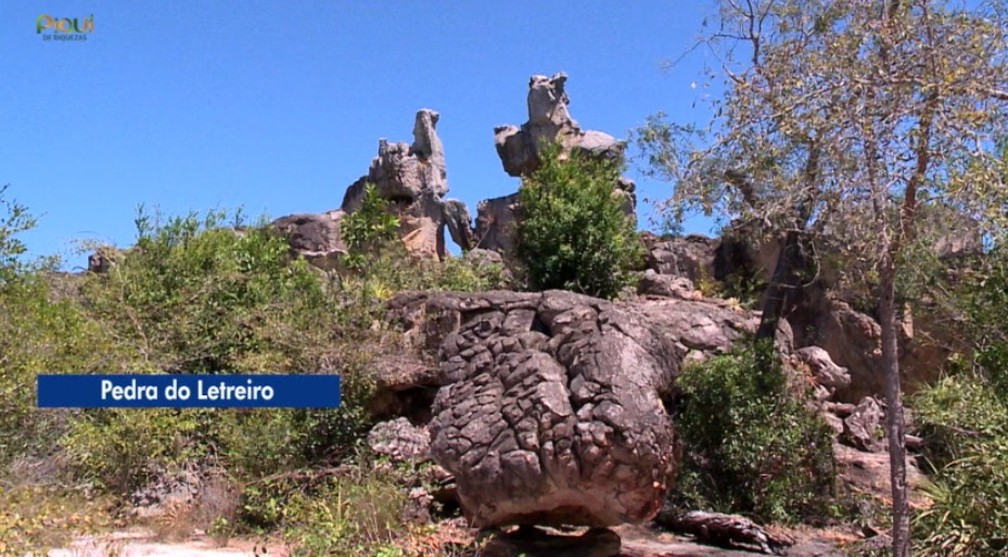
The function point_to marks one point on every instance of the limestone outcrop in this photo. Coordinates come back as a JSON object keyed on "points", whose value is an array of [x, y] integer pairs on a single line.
{"points": [[550, 406]]}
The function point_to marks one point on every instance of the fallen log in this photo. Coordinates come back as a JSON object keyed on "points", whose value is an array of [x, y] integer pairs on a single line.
{"points": [[723, 530]]}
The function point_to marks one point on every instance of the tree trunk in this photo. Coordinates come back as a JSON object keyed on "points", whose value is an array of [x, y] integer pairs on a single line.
{"points": [[894, 409]]}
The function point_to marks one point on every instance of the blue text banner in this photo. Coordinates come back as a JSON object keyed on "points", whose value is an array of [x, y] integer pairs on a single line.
{"points": [[188, 391]]}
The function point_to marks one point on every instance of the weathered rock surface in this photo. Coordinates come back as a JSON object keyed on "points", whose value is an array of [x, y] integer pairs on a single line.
{"points": [[549, 120], [411, 176], [315, 236], [853, 341], [691, 257], [666, 286], [535, 542], [826, 373], [551, 407], [399, 440], [495, 222], [863, 472], [863, 428]]}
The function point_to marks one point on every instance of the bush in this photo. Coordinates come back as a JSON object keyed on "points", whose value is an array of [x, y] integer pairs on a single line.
{"points": [[195, 297], [204, 294], [572, 233], [380, 266], [749, 444], [966, 425], [964, 418]]}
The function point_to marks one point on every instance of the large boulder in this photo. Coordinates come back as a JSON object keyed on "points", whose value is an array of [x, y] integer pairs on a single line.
{"points": [[314, 236], [826, 372], [551, 405]]}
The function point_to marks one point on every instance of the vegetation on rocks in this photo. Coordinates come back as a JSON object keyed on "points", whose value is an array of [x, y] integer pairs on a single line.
{"points": [[964, 417], [573, 234], [202, 294], [751, 444]]}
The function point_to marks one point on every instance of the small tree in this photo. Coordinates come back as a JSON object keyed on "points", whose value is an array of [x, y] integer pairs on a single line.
{"points": [[845, 116], [572, 233]]}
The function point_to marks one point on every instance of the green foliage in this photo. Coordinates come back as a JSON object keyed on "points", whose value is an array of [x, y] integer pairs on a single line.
{"points": [[958, 415], [986, 297], [572, 233], [37, 334], [964, 418], [749, 444], [203, 293], [15, 220], [193, 296], [380, 266], [966, 425], [370, 228], [356, 514], [35, 518]]}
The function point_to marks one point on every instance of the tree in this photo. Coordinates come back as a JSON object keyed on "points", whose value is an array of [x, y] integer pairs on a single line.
{"points": [[847, 115], [572, 233]]}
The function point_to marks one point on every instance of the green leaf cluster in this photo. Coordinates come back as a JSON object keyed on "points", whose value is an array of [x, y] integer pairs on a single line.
{"points": [[572, 233], [750, 445]]}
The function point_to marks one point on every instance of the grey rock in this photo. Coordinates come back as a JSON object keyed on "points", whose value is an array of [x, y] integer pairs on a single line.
{"points": [[457, 220], [495, 223], [314, 236], [167, 489], [404, 172], [665, 286], [519, 148], [690, 257], [550, 120], [853, 341], [103, 259], [826, 373], [550, 408], [535, 542], [863, 428], [400, 440], [413, 178]]}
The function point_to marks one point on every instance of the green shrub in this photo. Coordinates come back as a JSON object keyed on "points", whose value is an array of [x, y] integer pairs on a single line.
{"points": [[572, 233], [195, 297], [964, 419], [749, 444], [370, 228], [966, 425], [38, 334], [380, 266]]}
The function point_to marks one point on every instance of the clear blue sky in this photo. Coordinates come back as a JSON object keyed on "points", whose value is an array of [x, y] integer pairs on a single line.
{"points": [[278, 106]]}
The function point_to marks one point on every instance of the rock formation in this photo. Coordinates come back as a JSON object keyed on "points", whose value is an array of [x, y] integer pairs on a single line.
{"points": [[550, 406], [519, 147], [495, 222], [690, 257], [549, 120], [413, 178]]}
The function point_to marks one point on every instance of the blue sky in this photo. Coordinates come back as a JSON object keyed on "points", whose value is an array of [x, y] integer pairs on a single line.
{"points": [[278, 106]]}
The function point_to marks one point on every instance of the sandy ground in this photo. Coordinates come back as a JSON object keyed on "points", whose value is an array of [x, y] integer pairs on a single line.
{"points": [[141, 543]]}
